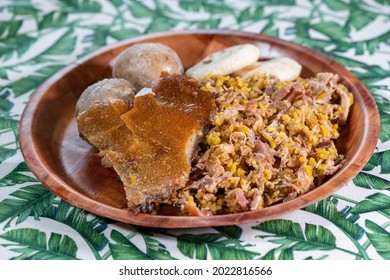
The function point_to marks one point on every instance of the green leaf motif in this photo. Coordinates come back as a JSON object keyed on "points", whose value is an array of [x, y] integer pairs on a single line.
{"points": [[4, 76], [379, 238], [6, 153], [370, 181], [372, 163], [85, 6], [375, 202], [384, 134], [8, 122], [270, 255], [17, 176], [76, 218], [286, 254], [290, 233], [33, 245], [279, 2], [124, 33], [209, 24], [328, 210], [190, 6], [270, 29], [140, 10], [371, 45], [336, 5], [197, 245], [384, 2], [23, 9], [348, 62], [371, 74], [230, 249], [385, 162], [250, 14], [233, 232], [52, 20], [360, 18], [331, 29], [217, 8], [5, 106], [123, 249], [65, 45], [28, 84], [10, 28], [155, 249], [31, 200], [159, 24], [18, 44]]}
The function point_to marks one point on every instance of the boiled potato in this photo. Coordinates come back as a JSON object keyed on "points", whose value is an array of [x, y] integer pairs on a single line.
{"points": [[104, 89], [143, 63]]}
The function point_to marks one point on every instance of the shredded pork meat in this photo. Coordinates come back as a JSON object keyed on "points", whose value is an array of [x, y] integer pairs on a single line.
{"points": [[270, 141]]}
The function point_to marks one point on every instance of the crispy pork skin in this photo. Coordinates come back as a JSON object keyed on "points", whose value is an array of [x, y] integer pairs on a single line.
{"points": [[151, 145]]}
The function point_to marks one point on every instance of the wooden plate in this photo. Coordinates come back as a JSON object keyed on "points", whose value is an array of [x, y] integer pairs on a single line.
{"points": [[66, 165]]}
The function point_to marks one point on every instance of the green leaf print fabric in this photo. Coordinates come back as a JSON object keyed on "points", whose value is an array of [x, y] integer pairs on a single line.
{"points": [[38, 38]]}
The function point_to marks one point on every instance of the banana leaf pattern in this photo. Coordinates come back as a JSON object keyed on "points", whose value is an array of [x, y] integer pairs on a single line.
{"points": [[37, 38]]}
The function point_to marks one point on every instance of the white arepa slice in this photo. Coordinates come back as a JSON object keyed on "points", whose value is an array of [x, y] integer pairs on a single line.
{"points": [[286, 69], [225, 61]]}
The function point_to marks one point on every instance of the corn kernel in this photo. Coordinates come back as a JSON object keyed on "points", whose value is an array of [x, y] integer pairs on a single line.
{"points": [[233, 168], [323, 167], [351, 97], [243, 183], [286, 118], [308, 170], [218, 121], [270, 140], [243, 128], [262, 107], [240, 172], [297, 114], [322, 153], [323, 117], [219, 82], [324, 130], [267, 174], [312, 162], [214, 139], [322, 95]]}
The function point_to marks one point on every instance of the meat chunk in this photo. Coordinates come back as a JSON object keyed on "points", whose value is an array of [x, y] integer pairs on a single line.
{"points": [[151, 145]]}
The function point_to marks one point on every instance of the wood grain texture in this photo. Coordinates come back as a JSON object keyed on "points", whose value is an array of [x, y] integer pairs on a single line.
{"points": [[66, 165]]}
